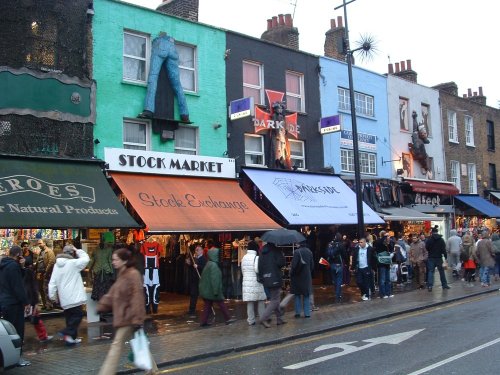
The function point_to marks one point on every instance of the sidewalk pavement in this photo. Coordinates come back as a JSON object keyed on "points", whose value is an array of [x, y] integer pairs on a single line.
{"points": [[173, 346]]}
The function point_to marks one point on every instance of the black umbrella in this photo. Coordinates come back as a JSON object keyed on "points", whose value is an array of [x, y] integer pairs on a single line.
{"points": [[283, 236]]}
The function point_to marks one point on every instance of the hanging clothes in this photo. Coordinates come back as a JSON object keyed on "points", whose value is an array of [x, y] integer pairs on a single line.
{"points": [[102, 271], [151, 251]]}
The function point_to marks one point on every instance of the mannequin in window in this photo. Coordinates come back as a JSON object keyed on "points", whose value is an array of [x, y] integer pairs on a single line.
{"points": [[151, 251], [101, 270]]}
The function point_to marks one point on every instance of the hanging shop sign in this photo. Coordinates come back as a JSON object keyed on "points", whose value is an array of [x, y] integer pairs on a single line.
{"points": [[365, 141], [329, 124], [139, 161]]}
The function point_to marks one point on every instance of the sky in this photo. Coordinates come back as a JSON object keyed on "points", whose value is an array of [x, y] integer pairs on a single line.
{"points": [[446, 40]]}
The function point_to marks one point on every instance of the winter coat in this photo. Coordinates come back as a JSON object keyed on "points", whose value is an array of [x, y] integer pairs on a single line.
{"points": [[381, 245], [301, 273], [495, 241], [125, 299], [101, 261], [252, 290], [31, 286], [211, 278], [271, 261], [436, 247], [468, 252], [484, 253], [371, 257], [453, 243], [11, 283], [66, 282], [418, 252], [45, 262]]}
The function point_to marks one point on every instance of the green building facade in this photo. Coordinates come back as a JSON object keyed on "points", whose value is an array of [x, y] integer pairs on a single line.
{"points": [[122, 35]]}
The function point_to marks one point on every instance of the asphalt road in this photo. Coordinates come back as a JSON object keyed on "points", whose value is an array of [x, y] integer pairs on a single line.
{"points": [[459, 338]]}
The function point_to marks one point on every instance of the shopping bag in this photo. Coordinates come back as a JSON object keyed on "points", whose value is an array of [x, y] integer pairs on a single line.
{"points": [[140, 348], [393, 274], [445, 263]]}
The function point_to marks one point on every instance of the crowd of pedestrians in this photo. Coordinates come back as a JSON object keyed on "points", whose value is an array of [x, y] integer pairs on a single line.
{"points": [[379, 263]]}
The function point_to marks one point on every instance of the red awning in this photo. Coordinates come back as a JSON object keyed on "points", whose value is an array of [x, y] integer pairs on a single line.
{"points": [[191, 204], [444, 188]]}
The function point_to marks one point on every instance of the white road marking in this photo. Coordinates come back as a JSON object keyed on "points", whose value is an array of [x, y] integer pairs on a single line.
{"points": [[455, 357], [347, 348]]}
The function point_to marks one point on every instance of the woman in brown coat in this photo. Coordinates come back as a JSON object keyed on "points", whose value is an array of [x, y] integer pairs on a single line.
{"points": [[126, 300]]}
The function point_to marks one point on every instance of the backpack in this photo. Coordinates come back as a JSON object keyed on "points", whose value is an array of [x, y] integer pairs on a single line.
{"points": [[333, 253]]}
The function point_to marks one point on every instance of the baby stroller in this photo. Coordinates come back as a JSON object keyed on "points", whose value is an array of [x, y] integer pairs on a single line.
{"points": [[403, 270]]}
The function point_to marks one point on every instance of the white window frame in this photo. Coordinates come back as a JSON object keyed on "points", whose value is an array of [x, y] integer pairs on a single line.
{"points": [[192, 70], [469, 131], [259, 87], [300, 96], [347, 161], [301, 157], [364, 103], [252, 153], [455, 173], [471, 177], [452, 127], [147, 145], [145, 59], [427, 123], [191, 151]]}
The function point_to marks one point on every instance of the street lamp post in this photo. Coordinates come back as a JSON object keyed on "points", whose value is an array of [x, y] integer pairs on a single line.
{"points": [[355, 146]]}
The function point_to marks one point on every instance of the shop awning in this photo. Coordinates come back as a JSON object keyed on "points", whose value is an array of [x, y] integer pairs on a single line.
{"points": [[496, 194], [58, 194], [478, 205], [444, 188], [191, 204], [406, 214], [310, 199]]}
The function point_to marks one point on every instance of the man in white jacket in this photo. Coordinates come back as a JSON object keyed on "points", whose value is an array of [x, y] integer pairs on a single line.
{"points": [[66, 285]]}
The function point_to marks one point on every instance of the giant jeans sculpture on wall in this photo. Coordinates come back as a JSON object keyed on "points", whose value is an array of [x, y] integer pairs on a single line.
{"points": [[163, 52]]}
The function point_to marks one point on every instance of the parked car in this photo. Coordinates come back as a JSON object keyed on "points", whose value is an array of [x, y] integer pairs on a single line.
{"points": [[10, 345]]}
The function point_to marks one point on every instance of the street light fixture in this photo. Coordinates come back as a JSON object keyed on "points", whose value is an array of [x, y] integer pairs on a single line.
{"points": [[365, 47]]}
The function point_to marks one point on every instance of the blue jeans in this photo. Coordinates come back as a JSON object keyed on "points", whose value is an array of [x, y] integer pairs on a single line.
{"points": [[336, 271], [432, 263], [364, 279], [307, 305], [163, 50], [497, 264], [384, 281], [484, 274]]}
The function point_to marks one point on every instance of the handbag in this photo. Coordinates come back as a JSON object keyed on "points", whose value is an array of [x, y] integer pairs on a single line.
{"points": [[140, 348], [259, 278], [384, 257]]}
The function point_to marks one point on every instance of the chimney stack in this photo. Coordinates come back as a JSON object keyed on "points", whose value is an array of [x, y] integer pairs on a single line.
{"points": [[187, 9], [334, 40], [477, 98], [403, 70], [448, 87], [280, 30]]}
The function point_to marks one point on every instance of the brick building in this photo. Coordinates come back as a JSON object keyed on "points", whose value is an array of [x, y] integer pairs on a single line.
{"points": [[469, 139]]}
